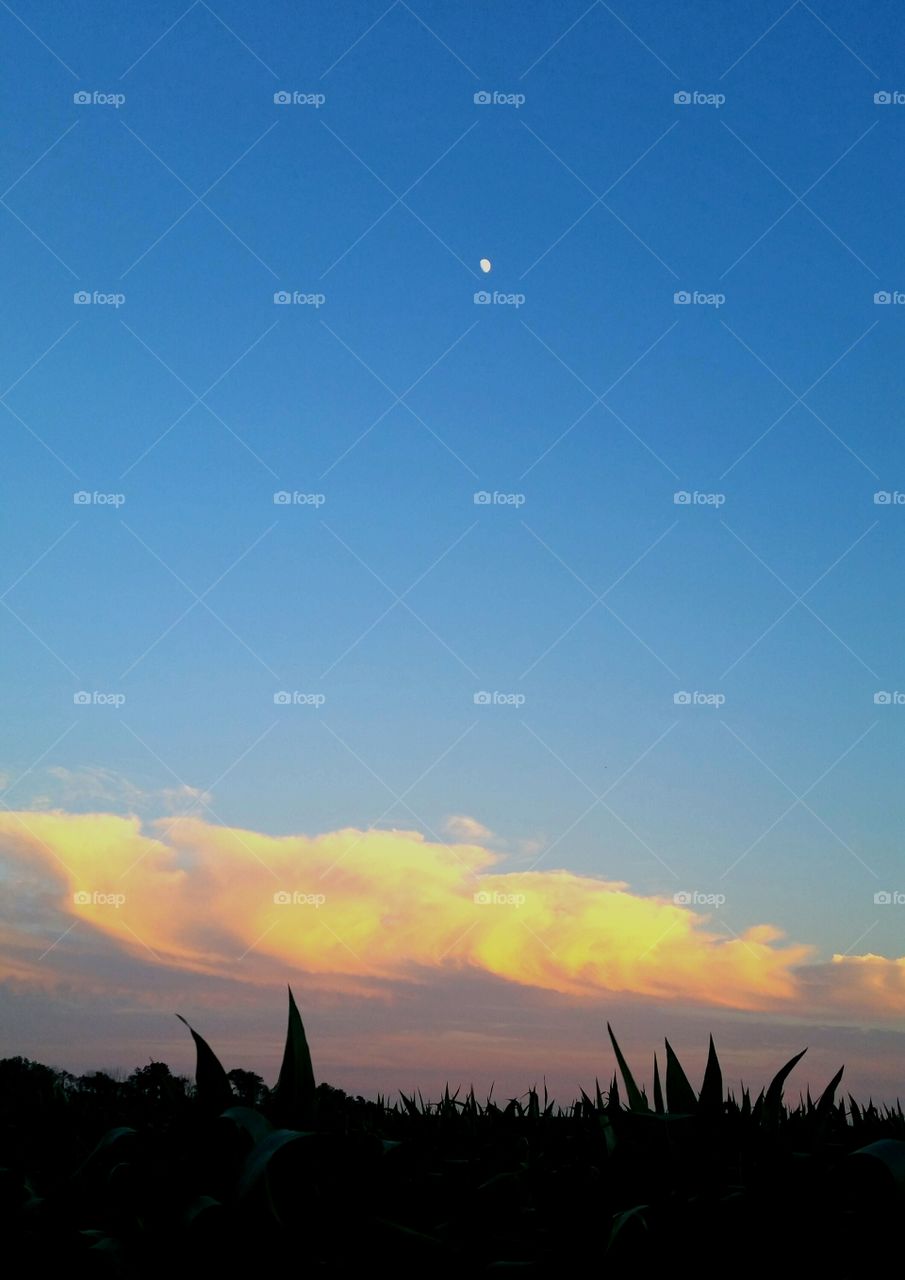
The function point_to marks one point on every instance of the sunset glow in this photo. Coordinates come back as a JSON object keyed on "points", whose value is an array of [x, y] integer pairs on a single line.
{"points": [[391, 907]]}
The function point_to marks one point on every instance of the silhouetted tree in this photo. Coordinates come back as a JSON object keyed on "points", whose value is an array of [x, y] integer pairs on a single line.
{"points": [[156, 1083], [99, 1085], [250, 1089], [24, 1080]]}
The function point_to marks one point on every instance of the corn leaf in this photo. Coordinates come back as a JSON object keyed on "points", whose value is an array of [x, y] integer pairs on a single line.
{"points": [[635, 1100], [211, 1081], [825, 1101], [711, 1097], [294, 1096], [679, 1094], [773, 1098], [658, 1090]]}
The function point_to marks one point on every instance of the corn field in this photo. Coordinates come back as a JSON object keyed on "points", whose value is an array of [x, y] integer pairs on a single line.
{"points": [[153, 1176]]}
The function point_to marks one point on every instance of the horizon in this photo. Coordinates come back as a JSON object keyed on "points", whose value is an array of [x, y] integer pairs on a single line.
{"points": [[454, 509]]}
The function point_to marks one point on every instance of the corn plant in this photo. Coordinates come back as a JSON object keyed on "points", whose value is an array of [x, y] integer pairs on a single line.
{"points": [[126, 1178]]}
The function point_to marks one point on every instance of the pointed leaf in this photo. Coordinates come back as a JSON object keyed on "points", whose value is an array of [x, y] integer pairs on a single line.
{"points": [[635, 1101], [773, 1098], [294, 1096], [679, 1093], [658, 1090], [211, 1081], [825, 1101], [711, 1098]]}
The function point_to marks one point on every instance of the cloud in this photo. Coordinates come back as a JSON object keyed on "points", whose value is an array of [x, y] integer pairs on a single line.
{"points": [[857, 983], [465, 828], [356, 909], [92, 787]]}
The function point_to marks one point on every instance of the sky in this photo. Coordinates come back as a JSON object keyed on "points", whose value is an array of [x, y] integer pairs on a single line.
{"points": [[486, 653]]}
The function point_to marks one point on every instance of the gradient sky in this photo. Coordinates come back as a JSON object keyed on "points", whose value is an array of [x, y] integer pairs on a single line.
{"points": [[587, 393]]}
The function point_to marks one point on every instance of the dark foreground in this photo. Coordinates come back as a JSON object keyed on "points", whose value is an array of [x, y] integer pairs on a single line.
{"points": [[153, 1177]]}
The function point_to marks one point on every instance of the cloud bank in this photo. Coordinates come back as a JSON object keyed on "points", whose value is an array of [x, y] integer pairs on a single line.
{"points": [[365, 909]]}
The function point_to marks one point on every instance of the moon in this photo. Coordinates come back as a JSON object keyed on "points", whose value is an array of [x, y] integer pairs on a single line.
{"points": [[485, 265]]}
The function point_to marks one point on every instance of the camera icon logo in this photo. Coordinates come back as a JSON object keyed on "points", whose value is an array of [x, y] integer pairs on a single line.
{"points": [[682, 898], [882, 698], [82, 498], [282, 97], [82, 698], [482, 297], [282, 498], [883, 898], [81, 97], [882, 498], [883, 98], [682, 699], [482, 898], [681, 498], [682, 98], [282, 298], [281, 898], [482, 699], [481, 98], [282, 699], [883, 298], [81, 899], [682, 298], [481, 498], [82, 298]]}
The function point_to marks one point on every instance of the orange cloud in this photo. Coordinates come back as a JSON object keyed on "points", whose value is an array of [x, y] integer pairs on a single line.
{"points": [[380, 906]]}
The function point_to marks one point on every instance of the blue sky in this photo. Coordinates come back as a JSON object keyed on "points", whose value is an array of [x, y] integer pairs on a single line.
{"points": [[593, 396]]}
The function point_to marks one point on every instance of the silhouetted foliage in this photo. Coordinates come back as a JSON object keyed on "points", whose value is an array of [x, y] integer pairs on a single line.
{"points": [[156, 1084], [144, 1176], [250, 1089]]}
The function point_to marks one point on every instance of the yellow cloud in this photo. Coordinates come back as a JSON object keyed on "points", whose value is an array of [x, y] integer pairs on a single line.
{"points": [[393, 907]]}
